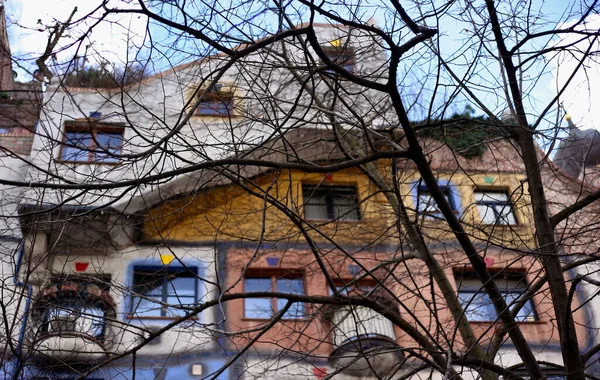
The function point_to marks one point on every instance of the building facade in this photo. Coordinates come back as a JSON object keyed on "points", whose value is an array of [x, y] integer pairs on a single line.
{"points": [[161, 219]]}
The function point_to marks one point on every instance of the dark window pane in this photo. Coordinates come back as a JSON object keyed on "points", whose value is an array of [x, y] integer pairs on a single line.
{"points": [[330, 202]]}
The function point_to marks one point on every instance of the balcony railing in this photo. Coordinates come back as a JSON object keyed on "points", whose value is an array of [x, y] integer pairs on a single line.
{"points": [[364, 341], [351, 322], [70, 320]]}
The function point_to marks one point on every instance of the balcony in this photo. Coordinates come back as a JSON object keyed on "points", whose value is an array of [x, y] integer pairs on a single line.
{"points": [[71, 323], [364, 342]]}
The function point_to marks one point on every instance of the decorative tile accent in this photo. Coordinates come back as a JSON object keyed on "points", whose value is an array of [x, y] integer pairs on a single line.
{"points": [[81, 267], [272, 261]]}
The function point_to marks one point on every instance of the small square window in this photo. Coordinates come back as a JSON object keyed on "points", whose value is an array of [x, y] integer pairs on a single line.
{"points": [[495, 207], [92, 143], [265, 308], [331, 203], [477, 304], [216, 103], [341, 56], [162, 291]]}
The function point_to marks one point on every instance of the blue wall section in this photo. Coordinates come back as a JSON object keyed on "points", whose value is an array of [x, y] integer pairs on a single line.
{"points": [[142, 369]]}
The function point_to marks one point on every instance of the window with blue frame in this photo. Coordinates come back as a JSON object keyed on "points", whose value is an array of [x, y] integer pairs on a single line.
{"points": [[163, 291], [477, 304], [265, 308], [427, 206]]}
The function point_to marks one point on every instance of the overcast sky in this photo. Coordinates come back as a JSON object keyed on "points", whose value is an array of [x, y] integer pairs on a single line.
{"points": [[113, 40]]}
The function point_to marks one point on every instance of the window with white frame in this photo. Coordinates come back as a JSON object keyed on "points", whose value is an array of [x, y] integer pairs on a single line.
{"points": [[331, 202], [495, 207], [477, 304]]}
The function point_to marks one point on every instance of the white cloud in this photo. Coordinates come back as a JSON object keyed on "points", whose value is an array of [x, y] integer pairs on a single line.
{"points": [[582, 98], [112, 39]]}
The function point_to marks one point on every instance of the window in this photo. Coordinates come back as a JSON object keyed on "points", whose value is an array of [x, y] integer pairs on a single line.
{"points": [[427, 206], [495, 207], [75, 306], [477, 304], [84, 142], [216, 103], [330, 202], [264, 308], [74, 317], [162, 291], [343, 57]]}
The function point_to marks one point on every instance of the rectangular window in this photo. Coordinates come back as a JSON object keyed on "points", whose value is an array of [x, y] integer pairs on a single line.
{"points": [[162, 291], [92, 143], [330, 203], [216, 103], [343, 57], [477, 304], [265, 308], [495, 207], [427, 205]]}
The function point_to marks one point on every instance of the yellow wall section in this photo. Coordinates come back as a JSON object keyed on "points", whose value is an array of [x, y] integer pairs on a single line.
{"points": [[230, 213]]}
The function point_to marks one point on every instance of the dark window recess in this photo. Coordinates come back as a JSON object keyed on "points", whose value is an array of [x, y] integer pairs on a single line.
{"points": [[163, 292], [495, 208], [427, 205], [341, 56], [477, 304], [330, 202], [89, 143], [265, 308], [218, 103]]}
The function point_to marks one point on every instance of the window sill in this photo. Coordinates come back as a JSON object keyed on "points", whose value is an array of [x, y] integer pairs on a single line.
{"points": [[67, 162], [136, 317], [334, 220], [518, 322], [217, 116], [269, 319]]}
